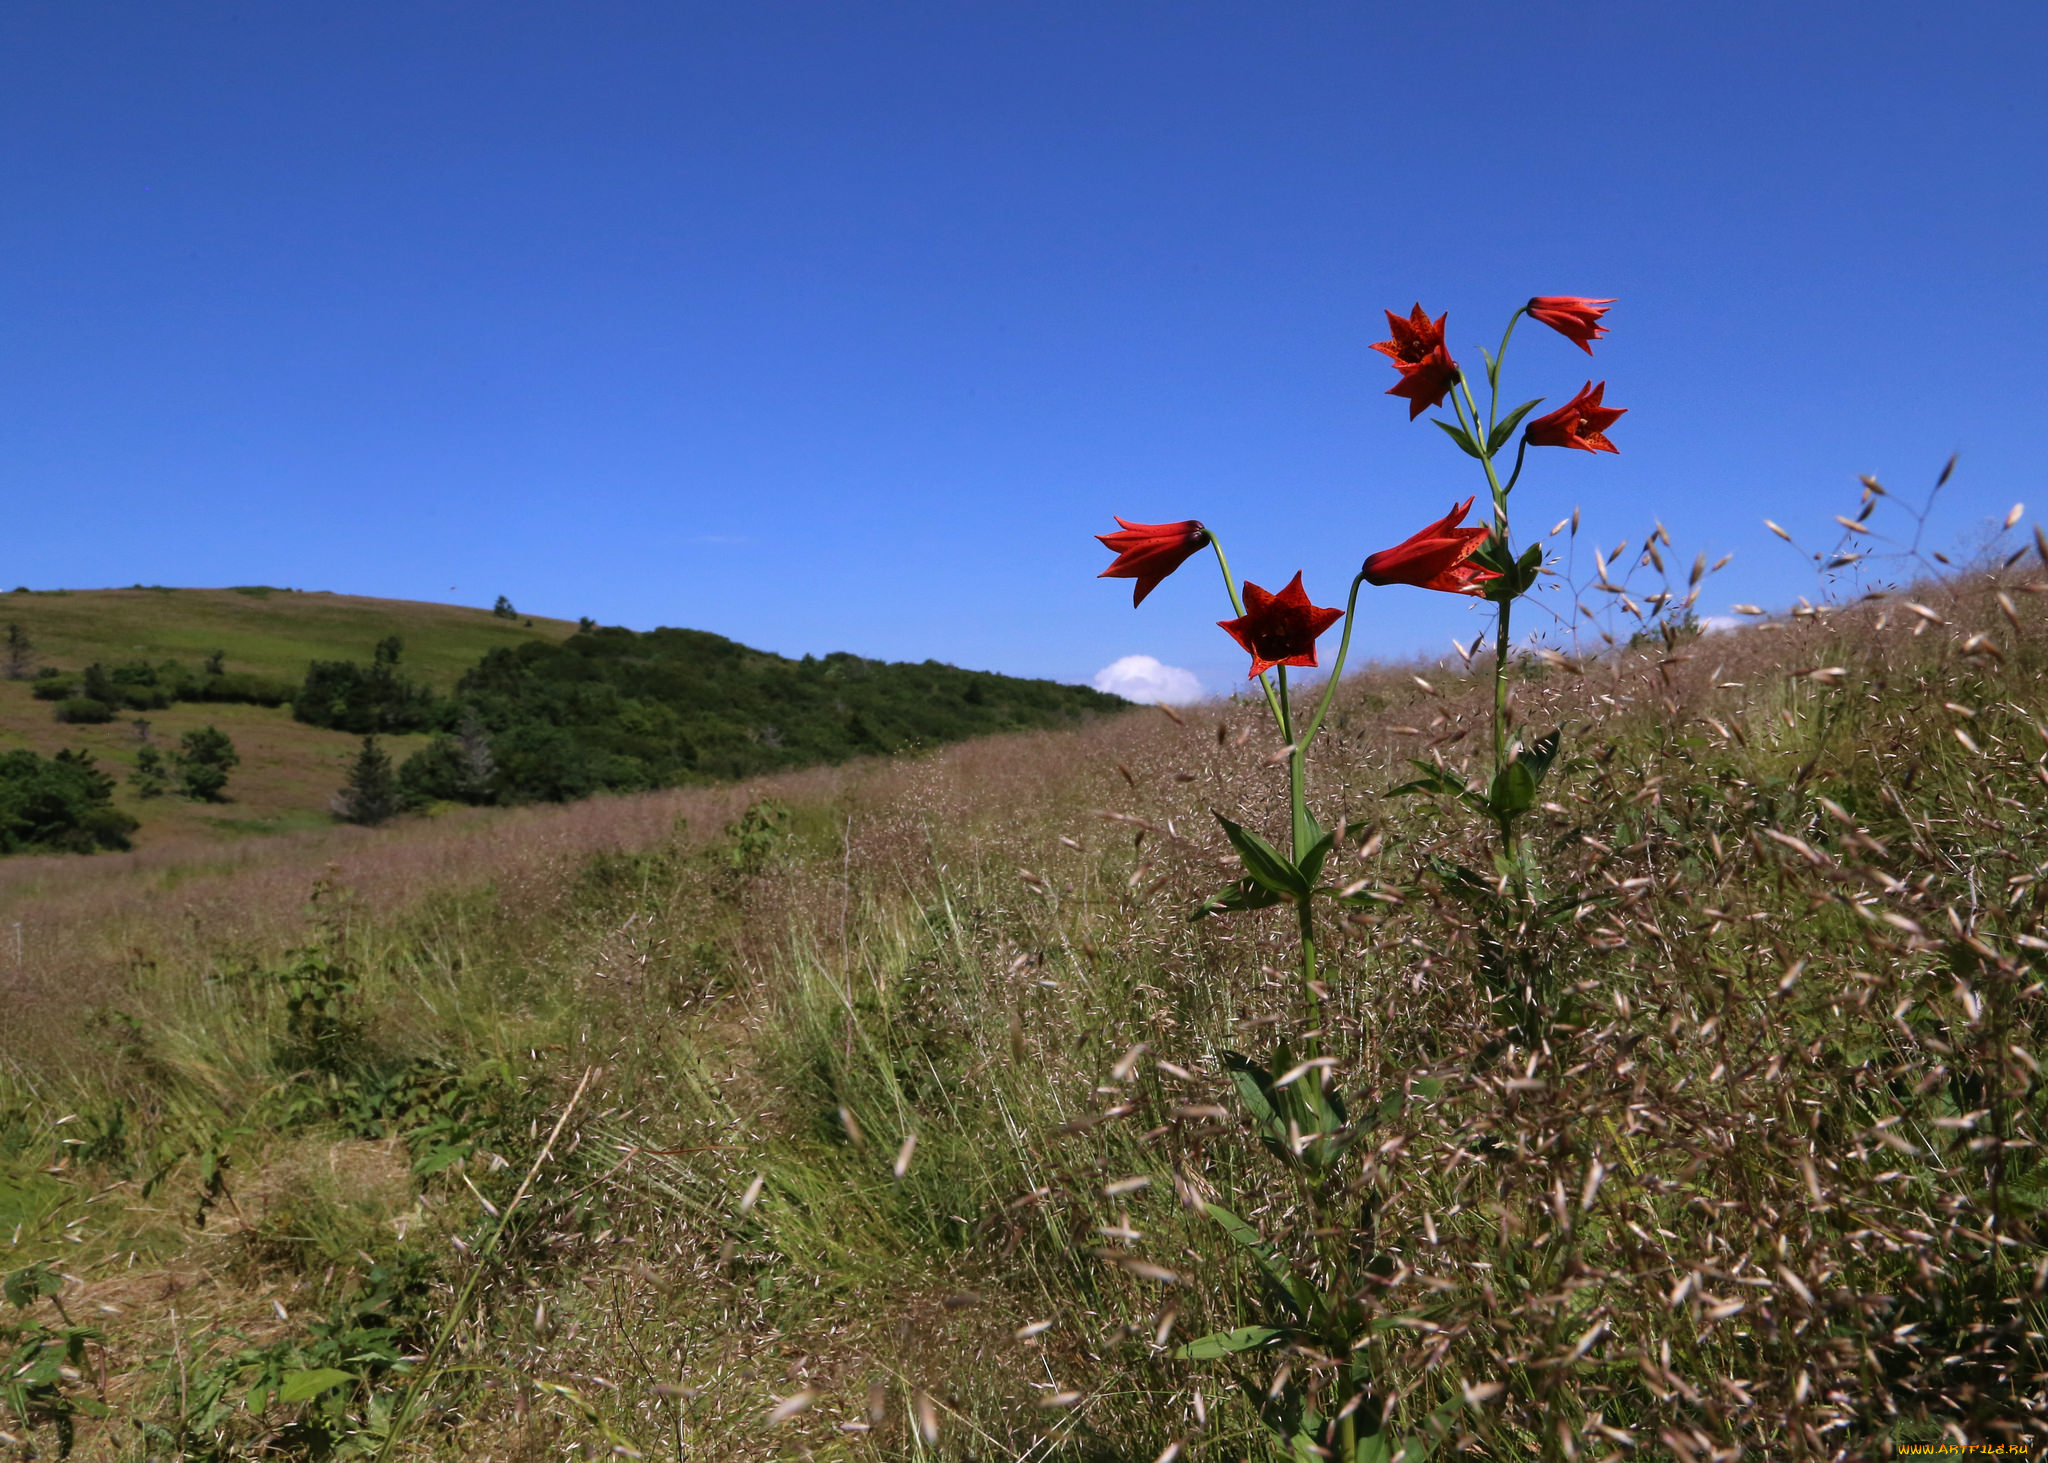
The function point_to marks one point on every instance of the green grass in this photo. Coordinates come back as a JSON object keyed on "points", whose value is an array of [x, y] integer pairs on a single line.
{"points": [[270, 632], [289, 771], [1812, 1059]]}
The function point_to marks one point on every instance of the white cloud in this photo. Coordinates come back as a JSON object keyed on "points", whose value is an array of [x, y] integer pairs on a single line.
{"points": [[1719, 624], [1142, 678]]}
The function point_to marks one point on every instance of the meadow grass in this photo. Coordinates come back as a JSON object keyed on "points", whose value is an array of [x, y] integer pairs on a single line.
{"points": [[289, 771], [266, 631], [895, 1086]]}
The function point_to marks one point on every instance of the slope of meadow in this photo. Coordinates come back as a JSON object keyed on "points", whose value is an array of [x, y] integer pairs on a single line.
{"points": [[289, 770], [562, 713], [1767, 1183], [262, 629]]}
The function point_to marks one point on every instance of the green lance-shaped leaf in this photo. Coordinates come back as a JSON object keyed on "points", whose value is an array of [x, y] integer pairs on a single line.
{"points": [[1434, 779], [1312, 862], [305, 1385], [1538, 757], [1516, 575], [1264, 862], [1460, 436], [1297, 1290], [1254, 1086], [1506, 429], [1440, 781], [1300, 1098], [1235, 898], [1229, 1343], [1307, 832], [1375, 1448]]}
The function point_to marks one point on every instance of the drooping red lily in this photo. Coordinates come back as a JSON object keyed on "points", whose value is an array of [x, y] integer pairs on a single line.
{"points": [[1279, 629], [1574, 317], [1148, 552], [1416, 347], [1581, 422], [1436, 557]]}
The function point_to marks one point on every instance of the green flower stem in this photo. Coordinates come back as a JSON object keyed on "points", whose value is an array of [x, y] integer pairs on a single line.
{"points": [[1337, 670], [1230, 588], [1301, 837], [1297, 772], [1520, 453], [1305, 916], [1493, 377], [1500, 708], [1500, 530]]}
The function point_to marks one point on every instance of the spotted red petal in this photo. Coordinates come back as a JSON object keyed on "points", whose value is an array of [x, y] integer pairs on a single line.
{"points": [[1279, 629], [1581, 422]]}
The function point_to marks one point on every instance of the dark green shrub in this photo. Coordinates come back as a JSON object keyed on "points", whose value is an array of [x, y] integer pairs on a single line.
{"points": [[84, 711], [52, 684], [617, 710], [203, 760], [456, 769], [366, 700], [62, 804], [151, 778], [245, 687]]}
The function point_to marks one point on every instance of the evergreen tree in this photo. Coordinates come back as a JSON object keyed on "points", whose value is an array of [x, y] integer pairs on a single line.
{"points": [[203, 760], [20, 659], [61, 803], [371, 793], [151, 778], [503, 609]]}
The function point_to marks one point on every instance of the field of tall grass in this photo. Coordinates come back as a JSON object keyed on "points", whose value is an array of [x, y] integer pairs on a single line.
{"points": [[866, 1113]]}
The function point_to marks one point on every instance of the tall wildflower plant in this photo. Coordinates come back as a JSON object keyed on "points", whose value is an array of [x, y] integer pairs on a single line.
{"points": [[1317, 1321]]}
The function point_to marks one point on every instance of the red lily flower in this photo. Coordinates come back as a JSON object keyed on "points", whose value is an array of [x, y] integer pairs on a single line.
{"points": [[1575, 318], [1436, 557], [1581, 422], [1148, 552], [1279, 629], [1416, 347], [1413, 339]]}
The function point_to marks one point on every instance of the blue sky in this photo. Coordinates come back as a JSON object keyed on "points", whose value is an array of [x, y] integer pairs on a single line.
{"points": [[846, 327]]}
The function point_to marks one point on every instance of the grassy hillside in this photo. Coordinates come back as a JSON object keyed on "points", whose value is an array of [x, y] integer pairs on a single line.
{"points": [[559, 714], [1769, 1185], [268, 631], [289, 770]]}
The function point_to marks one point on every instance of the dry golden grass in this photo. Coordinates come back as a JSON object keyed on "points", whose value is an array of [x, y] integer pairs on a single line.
{"points": [[1764, 1187]]}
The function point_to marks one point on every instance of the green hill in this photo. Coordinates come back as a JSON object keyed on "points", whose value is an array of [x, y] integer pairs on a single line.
{"points": [[266, 631], [623, 711], [550, 712]]}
